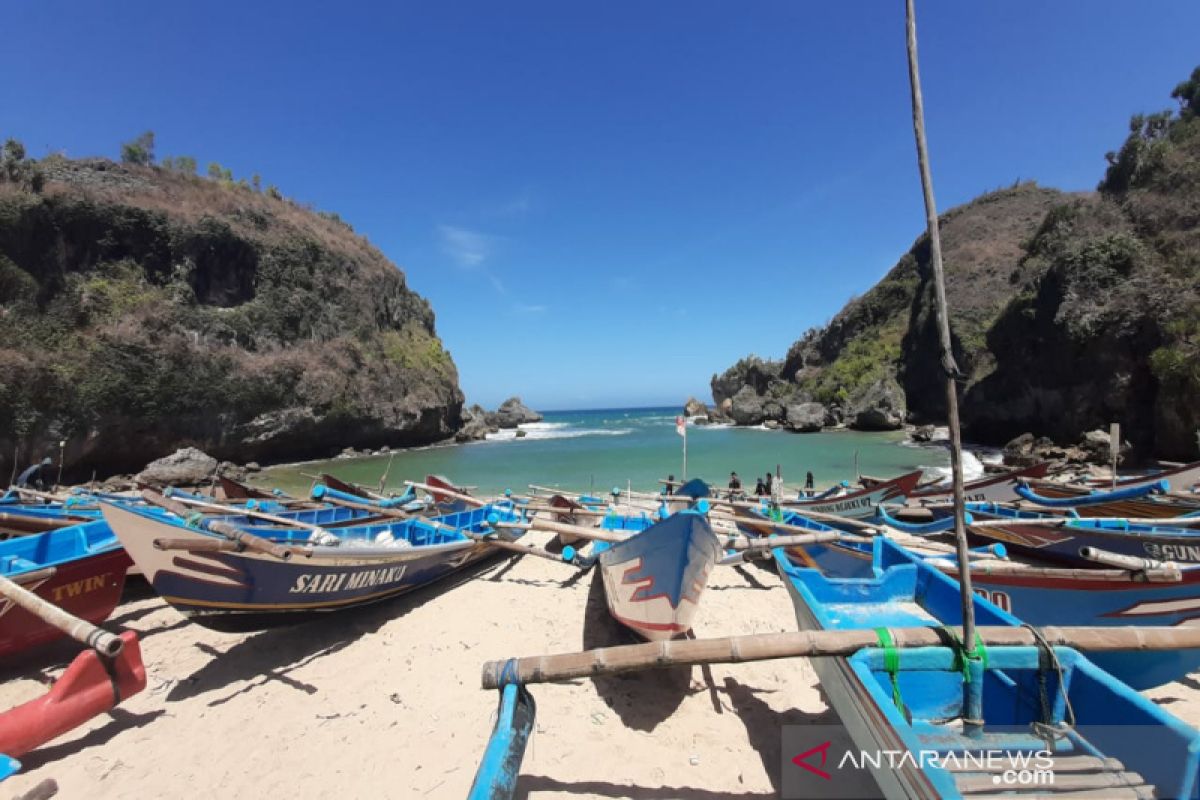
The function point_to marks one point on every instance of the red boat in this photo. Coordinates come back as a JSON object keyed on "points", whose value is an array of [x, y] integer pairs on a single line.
{"points": [[91, 685], [80, 569]]}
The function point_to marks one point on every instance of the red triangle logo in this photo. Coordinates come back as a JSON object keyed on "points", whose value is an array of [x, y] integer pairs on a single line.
{"points": [[802, 759]]}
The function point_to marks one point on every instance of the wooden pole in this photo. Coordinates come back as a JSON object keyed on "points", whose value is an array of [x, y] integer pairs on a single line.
{"points": [[466, 498], [768, 646], [482, 538], [231, 532], [943, 320], [80, 630]]}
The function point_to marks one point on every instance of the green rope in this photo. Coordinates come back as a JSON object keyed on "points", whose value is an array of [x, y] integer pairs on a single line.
{"points": [[891, 663], [962, 655], [194, 519]]}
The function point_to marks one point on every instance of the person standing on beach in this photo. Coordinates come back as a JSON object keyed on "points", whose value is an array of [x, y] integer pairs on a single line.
{"points": [[670, 490], [769, 482], [34, 476], [808, 480], [760, 489], [735, 484]]}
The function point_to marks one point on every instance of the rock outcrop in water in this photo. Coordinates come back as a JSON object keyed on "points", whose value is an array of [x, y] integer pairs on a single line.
{"points": [[143, 309], [1068, 311], [511, 413]]}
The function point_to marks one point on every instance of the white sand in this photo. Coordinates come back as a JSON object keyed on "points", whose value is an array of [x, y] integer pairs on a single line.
{"points": [[384, 701]]}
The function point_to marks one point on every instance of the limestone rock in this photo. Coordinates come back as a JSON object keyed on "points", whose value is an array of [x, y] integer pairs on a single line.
{"points": [[746, 407], [694, 408], [922, 433], [806, 417], [511, 413], [475, 425], [879, 406], [185, 467]]}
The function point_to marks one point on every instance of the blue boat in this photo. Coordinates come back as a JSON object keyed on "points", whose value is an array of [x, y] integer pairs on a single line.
{"points": [[1042, 708], [653, 580], [1061, 539], [1059, 596], [194, 569], [1094, 497]]}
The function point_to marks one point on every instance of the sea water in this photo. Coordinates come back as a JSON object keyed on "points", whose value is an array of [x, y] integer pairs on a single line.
{"points": [[598, 450]]}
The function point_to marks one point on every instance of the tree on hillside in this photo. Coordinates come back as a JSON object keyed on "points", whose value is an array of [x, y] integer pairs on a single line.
{"points": [[1188, 95], [16, 168], [182, 164], [139, 150], [219, 173]]}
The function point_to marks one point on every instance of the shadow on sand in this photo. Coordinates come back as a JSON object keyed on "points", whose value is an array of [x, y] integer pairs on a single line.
{"points": [[120, 720], [642, 700], [275, 653]]}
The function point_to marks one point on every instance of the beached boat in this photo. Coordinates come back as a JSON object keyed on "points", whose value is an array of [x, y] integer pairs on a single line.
{"points": [[1049, 595], [653, 580], [1087, 502], [236, 490], [1088, 731], [990, 488], [1063, 540], [859, 504], [80, 569], [287, 574], [1182, 479]]}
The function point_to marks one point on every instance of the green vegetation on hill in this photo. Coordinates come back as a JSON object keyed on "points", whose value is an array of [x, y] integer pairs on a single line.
{"points": [[1068, 311], [143, 308]]}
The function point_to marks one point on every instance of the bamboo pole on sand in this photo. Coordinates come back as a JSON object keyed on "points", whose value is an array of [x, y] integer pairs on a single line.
{"points": [[767, 646]]}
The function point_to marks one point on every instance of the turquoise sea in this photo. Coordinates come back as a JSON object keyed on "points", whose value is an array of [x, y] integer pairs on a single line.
{"points": [[602, 448]]}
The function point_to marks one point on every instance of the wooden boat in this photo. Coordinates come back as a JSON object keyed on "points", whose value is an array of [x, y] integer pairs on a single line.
{"points": [[236, 490], [1042, 594], [291, 573], [1062, 539], [1136, 507], [1100, 735], [91, 685], [860, 504], [1184, 478], [80, 569], [653, 580], [990, 488]]}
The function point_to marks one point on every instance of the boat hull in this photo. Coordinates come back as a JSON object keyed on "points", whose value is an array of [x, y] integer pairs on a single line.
{"points": [[247, 590], [88, 587], [653, 580], [993, 489], [860, 504]]}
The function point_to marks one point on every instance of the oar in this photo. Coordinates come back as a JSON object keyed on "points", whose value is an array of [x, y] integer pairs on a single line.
{"points": [[550, 526], [768, 646], [82, 631], [231, 532]]}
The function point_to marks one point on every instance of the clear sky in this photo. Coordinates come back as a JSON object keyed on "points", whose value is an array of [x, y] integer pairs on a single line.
{"points": [[606, 202]]}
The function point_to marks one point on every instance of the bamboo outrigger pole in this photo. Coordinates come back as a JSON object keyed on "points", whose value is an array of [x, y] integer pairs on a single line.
{"points": [[943, 320], [767, 646]]}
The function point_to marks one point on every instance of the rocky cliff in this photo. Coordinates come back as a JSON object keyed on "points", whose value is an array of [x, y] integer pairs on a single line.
{"points": [[1067, 311], [142, 309]]}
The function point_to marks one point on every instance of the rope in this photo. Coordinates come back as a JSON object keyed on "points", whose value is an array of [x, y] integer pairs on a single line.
{"points": [[963, 655], [1045, 729], [891, 663], [194, 520]]}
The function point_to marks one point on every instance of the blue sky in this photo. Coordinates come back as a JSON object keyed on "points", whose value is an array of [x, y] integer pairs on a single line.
{"points": [[606, 202]]}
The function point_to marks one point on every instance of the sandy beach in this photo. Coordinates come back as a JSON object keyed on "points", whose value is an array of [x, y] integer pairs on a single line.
{"points": [[384, 702]]}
